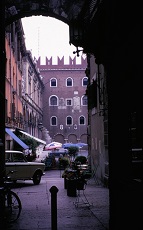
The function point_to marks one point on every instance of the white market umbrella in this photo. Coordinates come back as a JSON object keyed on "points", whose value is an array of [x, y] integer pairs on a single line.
{"points": [[53, 145]]}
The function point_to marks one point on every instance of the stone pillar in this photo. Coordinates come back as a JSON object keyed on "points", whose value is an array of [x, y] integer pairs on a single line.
{"points": [[124, 96], [2, 106]]}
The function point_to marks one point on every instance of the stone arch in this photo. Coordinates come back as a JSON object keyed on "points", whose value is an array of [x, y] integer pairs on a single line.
{"points": [[72, 138], [30, 13], [24, 113], [74, 13], [83, 138], [59, 138], [61, 10], [30, 118]]}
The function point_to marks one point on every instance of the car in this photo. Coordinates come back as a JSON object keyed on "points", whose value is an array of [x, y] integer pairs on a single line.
{"points": [[16, 162]]}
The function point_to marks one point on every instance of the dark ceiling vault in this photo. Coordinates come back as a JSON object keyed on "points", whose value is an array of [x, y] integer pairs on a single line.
{"points": [[103, 28], [78, 14], [64, 10]]}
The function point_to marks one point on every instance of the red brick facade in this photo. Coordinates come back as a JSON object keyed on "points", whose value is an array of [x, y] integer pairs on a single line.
{"points": [[71, 95]]}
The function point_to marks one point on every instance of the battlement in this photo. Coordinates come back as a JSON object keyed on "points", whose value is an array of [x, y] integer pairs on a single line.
{"points": [[61, 65]]}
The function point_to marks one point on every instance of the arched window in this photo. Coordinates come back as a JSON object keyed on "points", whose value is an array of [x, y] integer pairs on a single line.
{"points": [[53, 100], [69, 81], [30, 120], [84, 81], [84, 100], [69, 120], [53, 120], [82, 120], [53, 82]]}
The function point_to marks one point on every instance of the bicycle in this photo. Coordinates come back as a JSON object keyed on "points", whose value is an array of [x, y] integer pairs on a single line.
{"points": [[13, 204]]}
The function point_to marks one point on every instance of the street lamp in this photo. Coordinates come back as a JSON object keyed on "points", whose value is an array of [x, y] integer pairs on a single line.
{"points": [[76, 33]]}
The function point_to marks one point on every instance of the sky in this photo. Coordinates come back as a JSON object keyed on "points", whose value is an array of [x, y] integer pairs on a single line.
{"points": [[48, 37]]}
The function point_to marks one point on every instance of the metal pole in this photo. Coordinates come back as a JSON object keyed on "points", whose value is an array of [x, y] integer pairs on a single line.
{"points": [[54, 191]]}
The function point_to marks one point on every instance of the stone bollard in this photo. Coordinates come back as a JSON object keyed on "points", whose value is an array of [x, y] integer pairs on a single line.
{"points": [[53, 190]]}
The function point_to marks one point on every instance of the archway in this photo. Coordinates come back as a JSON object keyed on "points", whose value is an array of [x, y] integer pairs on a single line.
{"points": [[117, 43]]}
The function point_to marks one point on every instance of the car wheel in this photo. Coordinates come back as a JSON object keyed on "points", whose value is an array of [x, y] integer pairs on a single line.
{"points": [[37, 178]]}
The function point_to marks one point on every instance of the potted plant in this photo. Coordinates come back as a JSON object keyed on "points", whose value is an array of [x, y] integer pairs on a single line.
{"points": [[81, 160], [68, 174], [80, 183], [64, 162], [73, 150]]}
